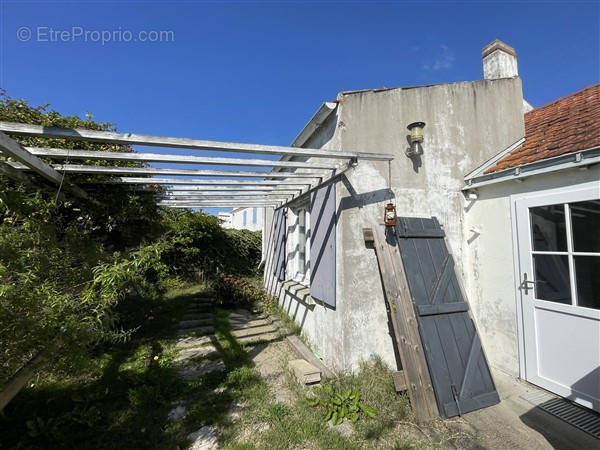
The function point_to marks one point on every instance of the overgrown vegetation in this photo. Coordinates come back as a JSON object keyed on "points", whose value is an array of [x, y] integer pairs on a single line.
{"points": [[76, 276], [339, 406]]}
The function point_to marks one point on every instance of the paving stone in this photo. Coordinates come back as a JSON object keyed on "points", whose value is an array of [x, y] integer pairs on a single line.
{"points": [[177, 413], [345, 428], [246, 332], [198, 316], [193, 371], [304, 371], [204, 439], [196, 309], [206, 351], [199, 331], [236, 324], [266, 337], [193, 341], [194, 323]]}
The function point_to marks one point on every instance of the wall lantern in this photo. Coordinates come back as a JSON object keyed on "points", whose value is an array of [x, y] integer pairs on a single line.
{"points": [[416, 137], [390, 215]]}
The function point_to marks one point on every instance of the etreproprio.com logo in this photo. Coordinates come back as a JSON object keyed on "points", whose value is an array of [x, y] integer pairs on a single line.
{"points": [[102, 37]]}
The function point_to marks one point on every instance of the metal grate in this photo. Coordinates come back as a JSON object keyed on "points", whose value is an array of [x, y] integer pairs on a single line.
{"points": [[583, 419]]}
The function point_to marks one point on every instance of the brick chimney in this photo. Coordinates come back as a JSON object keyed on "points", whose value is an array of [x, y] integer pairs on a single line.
{"points": [[499, 61]]}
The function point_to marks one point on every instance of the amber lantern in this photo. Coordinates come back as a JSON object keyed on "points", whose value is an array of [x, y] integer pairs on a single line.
{"points": [[390, 215]]}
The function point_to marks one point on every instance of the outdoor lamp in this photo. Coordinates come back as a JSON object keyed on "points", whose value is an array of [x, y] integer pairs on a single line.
{"points": [[390, 215], [416, 137]]}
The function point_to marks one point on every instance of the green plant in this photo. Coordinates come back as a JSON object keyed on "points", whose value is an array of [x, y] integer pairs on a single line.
{"points": [[340, 405]]}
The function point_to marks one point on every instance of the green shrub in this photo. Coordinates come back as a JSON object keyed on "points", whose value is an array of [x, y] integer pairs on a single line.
{"points": [[339, 405]]}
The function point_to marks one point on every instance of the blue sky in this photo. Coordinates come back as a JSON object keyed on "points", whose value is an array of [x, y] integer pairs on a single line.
{"points": [[256, 72]]}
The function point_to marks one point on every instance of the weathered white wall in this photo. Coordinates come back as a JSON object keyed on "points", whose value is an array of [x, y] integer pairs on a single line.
{"points": [[467, 123], [488, 252]]}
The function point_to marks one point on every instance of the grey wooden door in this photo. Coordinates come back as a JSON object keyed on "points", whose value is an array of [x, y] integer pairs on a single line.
{"points": [[459, 372]]}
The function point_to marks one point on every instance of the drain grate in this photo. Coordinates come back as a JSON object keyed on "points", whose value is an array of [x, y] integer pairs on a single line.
{"points": [[583, 419]]}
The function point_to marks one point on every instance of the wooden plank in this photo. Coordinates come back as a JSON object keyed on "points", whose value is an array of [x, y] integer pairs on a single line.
{"points": [[114, 170], [308, 355], [12, 148], [443, 308], [204, 182], [404, 324], [61, 153], [400, 381], [176, 142]]}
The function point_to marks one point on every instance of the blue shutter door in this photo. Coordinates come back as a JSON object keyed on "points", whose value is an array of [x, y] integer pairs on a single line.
{"points": [[279, 249], [323, 220]]}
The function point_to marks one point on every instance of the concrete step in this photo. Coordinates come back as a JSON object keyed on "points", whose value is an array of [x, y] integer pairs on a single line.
{"points": [[199, 310], [193, 371], [206, 351], [195, 323], [198, 316], [264, 337], [237, 324], [252, 331], [304, 372], [194, 341], [198, 331]]}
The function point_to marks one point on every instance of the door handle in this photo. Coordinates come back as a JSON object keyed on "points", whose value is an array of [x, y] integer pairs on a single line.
{"points": [[525, 284]]}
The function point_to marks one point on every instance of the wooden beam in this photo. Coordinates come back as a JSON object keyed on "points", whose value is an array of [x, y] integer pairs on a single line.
{"points": [[12, 148], [59, 153], [404, 323], [205, 182], [112, 170], [175, 142]]}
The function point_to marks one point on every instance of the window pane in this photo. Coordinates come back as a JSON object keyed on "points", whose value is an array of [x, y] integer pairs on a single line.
{"points": [[548, 228], [585, 217], [552, 278], [587, 274]]}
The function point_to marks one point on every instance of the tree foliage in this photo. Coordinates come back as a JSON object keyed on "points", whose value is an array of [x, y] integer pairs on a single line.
{"points": [[74, 274]]}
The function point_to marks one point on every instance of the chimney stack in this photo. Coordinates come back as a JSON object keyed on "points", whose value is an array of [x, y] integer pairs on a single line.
{"points": [[499, 61]]}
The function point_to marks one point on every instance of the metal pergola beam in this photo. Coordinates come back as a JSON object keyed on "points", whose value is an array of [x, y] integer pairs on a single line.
{"points": [[174, 142], [60, 153], [112, 170], [226, 191], [222, 197], [205, 182]]}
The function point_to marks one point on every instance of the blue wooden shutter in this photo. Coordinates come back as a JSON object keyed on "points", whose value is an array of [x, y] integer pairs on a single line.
{"points": [[323, 219], [279, 247], [460, 375]]}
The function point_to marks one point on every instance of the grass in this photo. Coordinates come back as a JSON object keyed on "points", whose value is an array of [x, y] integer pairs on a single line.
{"points": [[122, 397]]}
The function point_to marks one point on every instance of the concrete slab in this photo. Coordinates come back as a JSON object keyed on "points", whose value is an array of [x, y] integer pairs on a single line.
{"points": [[194, 323], [196, 309], [265, 337], [252, 331], [193, 371], [204, 439], [198, 316], [177, 413], [236, 325], [304, 372], [515, 423], [198, 331], [206, 351], [193, 341]]}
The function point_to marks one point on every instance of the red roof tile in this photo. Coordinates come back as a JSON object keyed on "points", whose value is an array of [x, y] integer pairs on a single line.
{"points": [[566, 125]]}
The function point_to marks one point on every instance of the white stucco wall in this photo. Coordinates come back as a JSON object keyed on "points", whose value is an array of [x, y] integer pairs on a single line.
{"points": [[237, 219], [467, 123]]}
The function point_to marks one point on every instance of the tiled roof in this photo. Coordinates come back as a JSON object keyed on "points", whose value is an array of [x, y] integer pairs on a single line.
{"points": [[566, 125]]}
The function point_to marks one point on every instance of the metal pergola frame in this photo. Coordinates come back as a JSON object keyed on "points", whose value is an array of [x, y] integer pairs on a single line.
{"points": [[238, 184]]}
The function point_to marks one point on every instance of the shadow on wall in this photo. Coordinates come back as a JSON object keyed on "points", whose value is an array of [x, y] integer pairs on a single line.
{"points": [[356, 200]]}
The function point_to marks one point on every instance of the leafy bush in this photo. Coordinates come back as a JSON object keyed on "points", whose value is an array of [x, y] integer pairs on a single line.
{"points": [[340, 405], [235, 291]]}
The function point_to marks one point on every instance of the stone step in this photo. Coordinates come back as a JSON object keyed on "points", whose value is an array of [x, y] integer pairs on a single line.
{"points": [[304, 371], [236, 325], [195, 323], [198, 331], [252, 331], [265, 337], [199, 310], [206, 351], [198, 316], [193, 371], [246, 318], [194, 341]]}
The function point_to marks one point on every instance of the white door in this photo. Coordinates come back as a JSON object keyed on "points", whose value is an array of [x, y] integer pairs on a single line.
{"points": [[558, 239]]}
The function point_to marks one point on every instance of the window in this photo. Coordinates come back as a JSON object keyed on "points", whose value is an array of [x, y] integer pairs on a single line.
{"points": [[565, 242], [244, 214], [254, 216], [301, 243]]}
